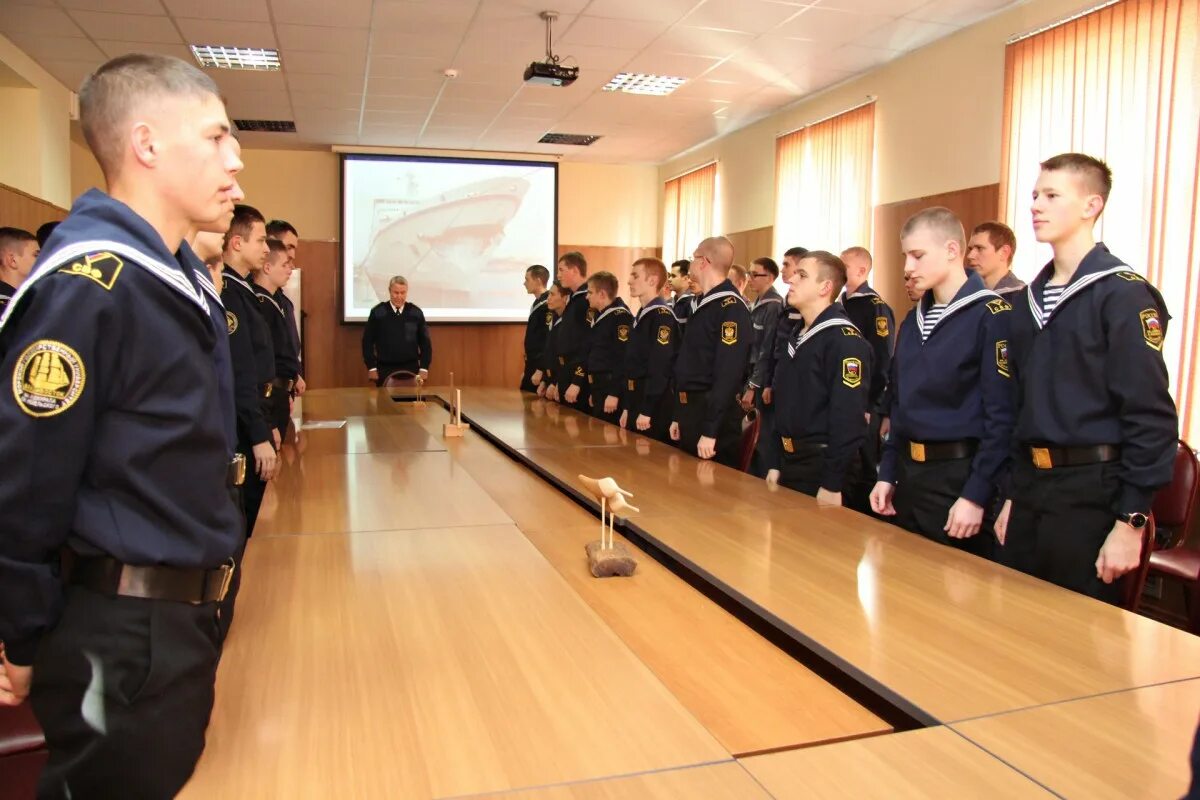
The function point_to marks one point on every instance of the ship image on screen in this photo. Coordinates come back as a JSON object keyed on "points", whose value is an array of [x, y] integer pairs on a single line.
{"points": [[461, 231]]}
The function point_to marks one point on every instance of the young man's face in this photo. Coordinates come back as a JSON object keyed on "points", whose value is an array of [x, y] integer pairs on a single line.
{"points": [[568, 275], [984, 258], [639, 287], [911, 290], [22, 256], [531, 284], [195, 157], [254, 246], [926, 260], [276, 271], [678, 281], [555, 301], [1062, 205], [760, 279], [857, 269], [805, 284], [398, 293], [290, 240], [598, 299]]}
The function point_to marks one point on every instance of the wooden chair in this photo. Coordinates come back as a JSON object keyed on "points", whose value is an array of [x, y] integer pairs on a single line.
{"points": [[400, 379], [1175, 508], [1132, 583], [22, 753]]}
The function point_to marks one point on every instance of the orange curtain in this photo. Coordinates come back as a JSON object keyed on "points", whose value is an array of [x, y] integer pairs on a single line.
{"points": [[689, 212], [823, 177], [1120, 84]]}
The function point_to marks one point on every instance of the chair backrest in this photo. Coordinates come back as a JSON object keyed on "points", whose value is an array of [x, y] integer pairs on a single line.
{"points": [[1175, 503], [749, 442], [1132, 583], [400, 378]]}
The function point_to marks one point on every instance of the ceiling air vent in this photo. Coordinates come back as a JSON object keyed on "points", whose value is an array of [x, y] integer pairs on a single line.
{"points": [[580, 139], [266, 125]]}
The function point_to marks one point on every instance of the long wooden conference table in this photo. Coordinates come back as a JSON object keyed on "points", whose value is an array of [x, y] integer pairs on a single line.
{"points": [[417, 620]]}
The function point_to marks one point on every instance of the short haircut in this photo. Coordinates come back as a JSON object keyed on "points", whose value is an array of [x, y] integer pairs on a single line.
{"points": [[43, 232], [1096, 175], [244, 217], [739, 270], [275, 247], [683, 265], [14, 239], [940, 221], [278, 227], [829, 268], [858, 252], [999, 235], [605, 282], [119, 88], [574, 259], [768, 264], [539, 273], [558, 287], [397, 280], [796, 252], [655, 269]]}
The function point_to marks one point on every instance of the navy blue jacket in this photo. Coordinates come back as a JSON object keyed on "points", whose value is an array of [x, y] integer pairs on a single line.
{"points": [[397, 341], [955, 386], [609, 338], [253, 357], [572, 334], [650, 357], [115, 435], [821, 392], [764, 316], [712, 358], [1094, 373], [683, 307], [537, 328], [873, 316], [287, 358]]}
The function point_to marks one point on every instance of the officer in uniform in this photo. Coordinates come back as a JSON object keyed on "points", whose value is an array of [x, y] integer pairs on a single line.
{"points": [[1096, 428], [990, 253], [712, 360], [951, 395], [778, 334], [573, 334], [820, 388], [537, 327], [609, 340], [650, 358], [285, 232], [18, 252], [253, 360], [396, 336], [556, 302], [268, 281], [115, 541], [681, 285], [764, 316]]}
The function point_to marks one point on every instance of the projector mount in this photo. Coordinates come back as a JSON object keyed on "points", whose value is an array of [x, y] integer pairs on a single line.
{"points": [[549, 17]]}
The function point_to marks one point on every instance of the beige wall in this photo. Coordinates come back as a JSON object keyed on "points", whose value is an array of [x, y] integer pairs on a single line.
{"points": [[35, 154], [938, 118]]}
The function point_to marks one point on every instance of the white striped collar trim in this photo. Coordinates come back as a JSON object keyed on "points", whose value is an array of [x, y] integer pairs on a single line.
{"points": [[762, 301], [557, 320], [710, 297], [205, 281], [230, 275], [657, 302], [840, 322], [614, 309], [957, 305], [1069, 292], [537, 304], [581, 290], [271, 300]]}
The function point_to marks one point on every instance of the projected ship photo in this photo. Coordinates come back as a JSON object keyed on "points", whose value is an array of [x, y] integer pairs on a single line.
{"points": [[444, 245]]}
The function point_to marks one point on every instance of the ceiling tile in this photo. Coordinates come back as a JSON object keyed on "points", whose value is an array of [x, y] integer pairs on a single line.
{"points": [[438, 18], [251, 98], [831, 27], [220, 32], [786, 54], [808, 80], [496, 93], [390, 103], [37, 20], [703, 42], [601, 32], [115, 49], [231, 10], [391, 43], [405, 87], [313, 39], [751, 16], [301, 62], [610, 58], [853, 58], [959, 12], [394, 117], [656, 11], [905, 34], [127, 27], [891, 8], [327, 100], [749, 74], [464, 105], [58, 48], [69, 73], [149, 7], [657, 62], [340, 14], [246, 80], [333, 84], [404, 67], [242, 109]]}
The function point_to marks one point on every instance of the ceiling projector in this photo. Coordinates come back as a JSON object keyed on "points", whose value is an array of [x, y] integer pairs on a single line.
{"points": [[547, 73]]}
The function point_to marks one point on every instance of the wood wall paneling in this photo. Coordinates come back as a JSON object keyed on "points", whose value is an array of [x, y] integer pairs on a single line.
{"points": [[21, 210], [973, 206], [752, 244]]}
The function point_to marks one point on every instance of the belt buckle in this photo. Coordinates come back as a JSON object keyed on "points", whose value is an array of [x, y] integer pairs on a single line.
{"points": [[227, 571], [1041, 457], [239, 469], [916, 451], [632, 385], [788, 447], [683, 398]]}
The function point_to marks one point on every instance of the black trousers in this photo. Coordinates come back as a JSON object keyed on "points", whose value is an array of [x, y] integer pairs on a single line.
{"points": [[253, 489], [581, 402], [767, 452], [1060, 518], [600, 386], [660, 416], [691, 414], [123, 689], [277, 410], [925, 491], [527, 384], [803, 469], [872, 450]]}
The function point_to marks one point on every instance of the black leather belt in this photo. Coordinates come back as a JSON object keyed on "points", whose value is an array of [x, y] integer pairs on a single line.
{"points": [[793, 447], [109, 576], [1051, 457], [283, 384], [941, 451], [599, 376], [235, 474]]}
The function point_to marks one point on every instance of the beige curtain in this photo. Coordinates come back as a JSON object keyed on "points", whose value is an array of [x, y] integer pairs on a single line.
{"points": [[1121, 84], [823, 178], [689, 212]]}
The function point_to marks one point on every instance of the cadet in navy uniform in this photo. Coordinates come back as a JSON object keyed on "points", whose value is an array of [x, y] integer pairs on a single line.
{"points": [[712, 360], [556, 302], [609, 340], [285, 232], [396, 336], [537, 327], [18, 252], [1096, 428], [990, 253], [573, 334], [950, 394], [764, 317], [767, 451], [821, 389], [253, 360], [116, 352], [684, 302], [650, 358], [874, 318], [267, 281]]}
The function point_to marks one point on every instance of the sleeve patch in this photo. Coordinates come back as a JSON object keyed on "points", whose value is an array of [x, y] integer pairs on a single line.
{"points": [[48, 378], [1002, 358], [231, 322], [728, 301], [103, 268], [877, 300], [729, 331], [849, 331], [881, 327], [1132, 277], [998, 305], [852, 372], [579, 372], [1152, 329], [622, 333], [664, 334]]}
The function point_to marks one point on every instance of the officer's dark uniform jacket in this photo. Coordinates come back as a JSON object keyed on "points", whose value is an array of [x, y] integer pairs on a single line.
{"points": [[820, 393], [1093, 374], [955, 386], [571, 338], [289, 313], [537, 329], [114, 433], [650, 360], [394, 341], [287, 359], [683, 307], [253, 358], [713, 355], [764, 317], [6, 294], [871, 315]]}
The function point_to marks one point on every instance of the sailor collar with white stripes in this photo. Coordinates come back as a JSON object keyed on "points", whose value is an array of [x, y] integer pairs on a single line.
{"points": [[582, 290], [968, 294], [612, 309], [863, 290], [657, 302], [719, 292], [769, 296], [836, 320], [539, 302], [230, 274], [265, 295], [1085, 275]]}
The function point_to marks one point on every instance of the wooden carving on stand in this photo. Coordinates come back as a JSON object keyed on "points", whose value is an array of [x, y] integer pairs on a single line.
{"points": [[607, 558]]}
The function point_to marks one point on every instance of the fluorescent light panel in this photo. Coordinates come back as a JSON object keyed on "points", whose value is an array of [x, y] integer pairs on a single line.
{"points": [[637, 83], [250, 58]]}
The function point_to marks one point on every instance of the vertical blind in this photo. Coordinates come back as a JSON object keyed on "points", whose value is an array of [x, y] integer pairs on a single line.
{"points": [[688, 212]]}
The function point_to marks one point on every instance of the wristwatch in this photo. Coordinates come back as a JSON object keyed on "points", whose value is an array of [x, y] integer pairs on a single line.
{"points": [[1134, 519]]}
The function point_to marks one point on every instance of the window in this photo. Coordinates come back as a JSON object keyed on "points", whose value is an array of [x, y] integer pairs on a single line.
{"points": [[1120, 84], [689, 212]]}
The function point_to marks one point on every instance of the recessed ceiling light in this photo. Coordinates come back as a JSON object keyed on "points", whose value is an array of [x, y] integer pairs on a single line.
{"points": [[577, 139], [638, 83], [251, 58]]}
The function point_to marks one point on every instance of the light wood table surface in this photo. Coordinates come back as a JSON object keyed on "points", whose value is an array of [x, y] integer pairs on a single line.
{"points": [[427, 663], [914, 765], [1127, 744], [713, 782], [384, 433]]}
